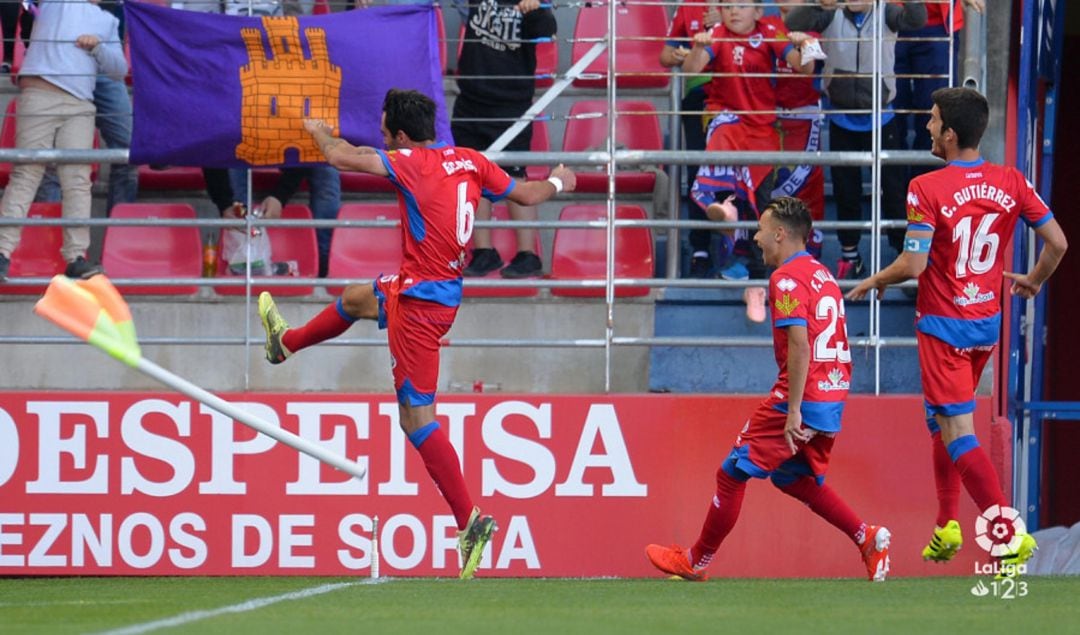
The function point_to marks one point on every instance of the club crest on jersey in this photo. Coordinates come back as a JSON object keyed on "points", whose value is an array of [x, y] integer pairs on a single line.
{"points": [[755, 40], [835, 382], [786, 284], [973, 295], [786, 304]]}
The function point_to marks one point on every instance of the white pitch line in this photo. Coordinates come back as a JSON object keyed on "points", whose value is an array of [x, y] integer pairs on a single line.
{"points": [[250, 605]]}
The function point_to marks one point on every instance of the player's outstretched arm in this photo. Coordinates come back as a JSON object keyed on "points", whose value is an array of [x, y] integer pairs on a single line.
{"points": [[1028, 285], [340, 153], [907, 265], [562, 179]]}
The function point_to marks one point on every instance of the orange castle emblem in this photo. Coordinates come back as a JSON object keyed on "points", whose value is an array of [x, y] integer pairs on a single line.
{"points": [[278, 93]]}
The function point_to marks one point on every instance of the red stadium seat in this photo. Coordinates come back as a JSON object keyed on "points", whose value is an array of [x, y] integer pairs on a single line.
{"points": [[171, 178], [504, 240], [581, 254], [547, 63], [287, 244], [541, 142], [367, 183], [152, 252], [365, 252], [7, 140], [440, 27], [38, 253], [641, 30], [637, 128]]}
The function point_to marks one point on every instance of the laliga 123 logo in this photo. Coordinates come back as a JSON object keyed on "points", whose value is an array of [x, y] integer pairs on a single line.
{"points": [[999, 530]]}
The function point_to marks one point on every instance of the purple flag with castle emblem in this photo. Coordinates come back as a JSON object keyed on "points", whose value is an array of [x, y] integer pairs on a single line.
{"points": [[220, 91]]}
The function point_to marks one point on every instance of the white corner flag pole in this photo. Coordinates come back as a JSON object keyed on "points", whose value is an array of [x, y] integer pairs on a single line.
{"points": [[94, 311], [294, 441]]}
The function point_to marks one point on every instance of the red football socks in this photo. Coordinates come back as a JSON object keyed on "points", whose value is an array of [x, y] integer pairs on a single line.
{"points": [[947, 482], [723, 512], [980, 479], [825, 502], [441, 462], [328, 324]]}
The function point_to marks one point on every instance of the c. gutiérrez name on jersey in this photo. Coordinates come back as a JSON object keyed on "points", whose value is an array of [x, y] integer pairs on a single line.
{"points": [[458, 165], [983, 191]]}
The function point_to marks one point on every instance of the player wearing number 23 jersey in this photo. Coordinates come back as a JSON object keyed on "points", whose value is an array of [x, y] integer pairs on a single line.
{"points": [[789, 436], [803, 292]]}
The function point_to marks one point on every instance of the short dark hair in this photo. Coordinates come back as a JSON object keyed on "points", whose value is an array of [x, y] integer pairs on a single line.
{"points": [[411, 112], [793, 214], [964, 111]]}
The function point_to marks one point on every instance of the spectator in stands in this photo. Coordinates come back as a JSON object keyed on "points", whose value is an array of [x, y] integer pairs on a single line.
{"points": [[799, 122], [14, 16], [692, 17], [73, 41], [324, 187], [928, 61], [496, 79], [742, 52], [846, 33], [227, 189], [113, 121]]}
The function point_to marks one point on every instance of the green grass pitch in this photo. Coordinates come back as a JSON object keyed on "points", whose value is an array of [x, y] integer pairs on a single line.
{"points": [[322, 606]]}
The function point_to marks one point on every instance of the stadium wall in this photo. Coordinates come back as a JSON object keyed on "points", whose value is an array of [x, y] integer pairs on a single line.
{"points": [[146, 483]]}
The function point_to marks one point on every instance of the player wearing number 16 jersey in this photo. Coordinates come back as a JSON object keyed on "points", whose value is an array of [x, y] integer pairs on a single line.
{"points": [[960, 221], [438, 187], [789, 438]]}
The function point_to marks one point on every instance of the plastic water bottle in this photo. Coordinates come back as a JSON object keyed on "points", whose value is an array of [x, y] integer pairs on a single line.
{"points": [[210, 257]]}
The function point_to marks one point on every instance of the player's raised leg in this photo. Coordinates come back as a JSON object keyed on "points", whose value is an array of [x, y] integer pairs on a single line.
{"points": [[356, 302]]}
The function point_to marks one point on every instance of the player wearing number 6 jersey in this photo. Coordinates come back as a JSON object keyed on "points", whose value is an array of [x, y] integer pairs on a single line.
{"points": [[960, 221], [438, 187], [789, 438]]}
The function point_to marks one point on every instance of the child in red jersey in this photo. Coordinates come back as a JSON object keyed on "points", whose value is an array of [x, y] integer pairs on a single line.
{"points": [[742, 53], [798, 120]]}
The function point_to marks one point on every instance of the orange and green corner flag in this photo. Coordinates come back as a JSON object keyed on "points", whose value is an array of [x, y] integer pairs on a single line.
{"points": [[92, 310]]}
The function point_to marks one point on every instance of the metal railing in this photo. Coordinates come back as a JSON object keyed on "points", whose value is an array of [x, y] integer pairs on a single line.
{"points": [[611, 158]]}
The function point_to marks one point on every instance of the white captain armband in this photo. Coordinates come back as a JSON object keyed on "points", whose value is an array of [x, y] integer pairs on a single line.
{"points": [[917, 245]]}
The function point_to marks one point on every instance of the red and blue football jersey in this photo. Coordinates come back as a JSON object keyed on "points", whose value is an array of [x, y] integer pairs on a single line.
{"points": [[793, 90], [438, 189], [972, 208], [745, 65], [803, 292]]}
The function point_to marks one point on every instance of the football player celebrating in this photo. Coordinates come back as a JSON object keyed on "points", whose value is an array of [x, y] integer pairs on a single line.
{"points": [[960, 220], [789, 438]]}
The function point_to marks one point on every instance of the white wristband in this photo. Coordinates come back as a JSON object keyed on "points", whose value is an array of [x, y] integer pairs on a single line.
{"points": [[557, 182]]}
